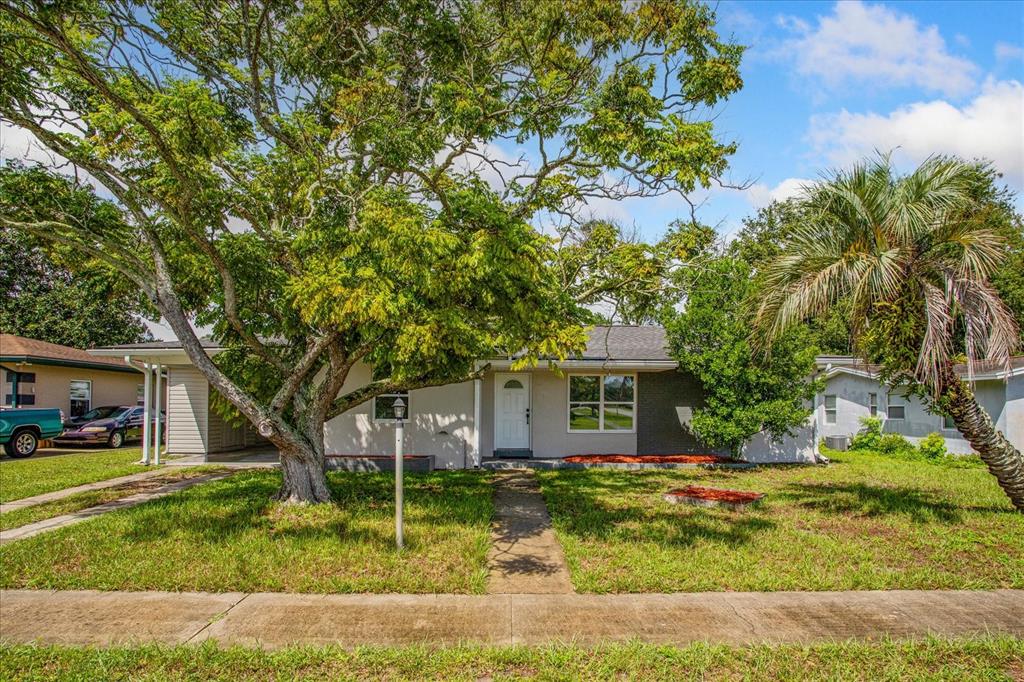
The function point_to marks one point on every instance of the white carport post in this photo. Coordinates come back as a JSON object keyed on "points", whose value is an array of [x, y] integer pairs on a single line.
{"points": [[147, 371], [159, 397], [477, 392]]}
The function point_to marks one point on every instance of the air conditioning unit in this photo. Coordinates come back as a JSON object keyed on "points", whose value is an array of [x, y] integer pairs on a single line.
{"points": [[841, 443]]}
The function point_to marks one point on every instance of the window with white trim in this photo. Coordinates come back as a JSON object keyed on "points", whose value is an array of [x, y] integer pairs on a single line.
{"points": [[80, 392], [948, 423], [873, 404], [602, 402], [897, 407], [831, 409]]}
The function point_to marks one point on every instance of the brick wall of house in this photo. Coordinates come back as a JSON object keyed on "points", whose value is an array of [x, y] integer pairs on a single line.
{"points": [[665, 401]]}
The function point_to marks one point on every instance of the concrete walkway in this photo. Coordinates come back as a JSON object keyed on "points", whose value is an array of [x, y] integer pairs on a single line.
{"points": [[29, 530], [274, 620], [525, 556], [68, 492]]}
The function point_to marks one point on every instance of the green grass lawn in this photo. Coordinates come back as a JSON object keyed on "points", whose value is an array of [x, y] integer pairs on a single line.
{"points": [[91, 498], [21, 478], [227, 535], [932, 659], [864, 522]]}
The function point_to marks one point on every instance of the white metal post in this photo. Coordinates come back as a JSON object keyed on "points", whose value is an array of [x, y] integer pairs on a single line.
{"points": [[399, 492], [159, 400], [147, 412], [477, 390]]}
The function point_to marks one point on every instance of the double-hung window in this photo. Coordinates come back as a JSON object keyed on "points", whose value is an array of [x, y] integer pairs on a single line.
{"points": [[897, 407], [602, 402], [831, 409], [873, 404]]}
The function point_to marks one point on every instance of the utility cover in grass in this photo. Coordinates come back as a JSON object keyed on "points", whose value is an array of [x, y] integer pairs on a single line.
{"points": [[713, 497]]}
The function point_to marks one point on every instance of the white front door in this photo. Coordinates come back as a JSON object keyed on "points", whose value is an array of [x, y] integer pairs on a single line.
{"points": [[512, 411]]}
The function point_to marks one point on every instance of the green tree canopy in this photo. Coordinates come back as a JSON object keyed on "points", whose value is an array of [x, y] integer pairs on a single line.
{"points": [[745, 392], [54, 293], [329, 183]]}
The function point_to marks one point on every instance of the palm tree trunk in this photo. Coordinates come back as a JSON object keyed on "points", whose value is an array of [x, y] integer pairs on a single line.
{"points": [[1004, 461]]}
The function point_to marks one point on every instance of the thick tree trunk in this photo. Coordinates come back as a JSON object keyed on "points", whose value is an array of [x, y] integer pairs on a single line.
{"points": [[1004, 461], [304, 480]]}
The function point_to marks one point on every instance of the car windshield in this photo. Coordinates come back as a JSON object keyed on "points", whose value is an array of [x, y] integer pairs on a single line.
{"points": [[108, 412]]}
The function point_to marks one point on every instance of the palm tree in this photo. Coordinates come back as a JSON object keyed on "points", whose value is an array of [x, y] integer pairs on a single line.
{"points": [[913, 255]]}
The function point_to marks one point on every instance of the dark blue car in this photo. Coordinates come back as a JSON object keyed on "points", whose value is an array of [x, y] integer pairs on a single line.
{"points": [[111, 424]]}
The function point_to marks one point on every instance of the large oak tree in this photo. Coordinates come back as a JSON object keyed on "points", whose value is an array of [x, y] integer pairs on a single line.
{"points": [[343, 181]]}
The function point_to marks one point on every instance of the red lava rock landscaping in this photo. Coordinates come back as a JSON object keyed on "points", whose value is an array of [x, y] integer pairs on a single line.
{"points": [[647, 459], [713, 497]]}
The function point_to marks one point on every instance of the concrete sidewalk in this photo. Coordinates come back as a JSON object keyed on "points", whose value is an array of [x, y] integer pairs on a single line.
{"points": [[274, 620], [31, 529], [68, 492]]}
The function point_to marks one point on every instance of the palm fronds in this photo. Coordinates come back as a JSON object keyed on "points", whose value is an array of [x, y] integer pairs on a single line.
{"points": [[884, 239]]}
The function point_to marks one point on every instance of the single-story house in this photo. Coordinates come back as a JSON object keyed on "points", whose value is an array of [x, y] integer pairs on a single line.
{"points": [[40, 374], [852, 392], [623, 395]]}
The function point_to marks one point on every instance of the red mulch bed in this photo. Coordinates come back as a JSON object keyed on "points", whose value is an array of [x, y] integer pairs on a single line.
{"points": [[716, 494], [650, 459]]}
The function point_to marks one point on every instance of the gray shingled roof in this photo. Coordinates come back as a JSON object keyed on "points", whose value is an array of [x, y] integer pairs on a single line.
{"points": [[159, 345], [622, 342], [618, 342]]}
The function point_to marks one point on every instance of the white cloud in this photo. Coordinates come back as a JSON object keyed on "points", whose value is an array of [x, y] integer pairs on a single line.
{"points": [[1006, 52], [874, 46], [989, 126], [760, 194], [18, 143]]}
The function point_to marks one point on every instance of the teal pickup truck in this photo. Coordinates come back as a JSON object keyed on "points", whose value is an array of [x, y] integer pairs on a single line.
{"points": [[22, 428]]}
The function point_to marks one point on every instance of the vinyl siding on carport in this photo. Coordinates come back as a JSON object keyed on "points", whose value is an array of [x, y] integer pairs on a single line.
{"points": [[188, 411]]}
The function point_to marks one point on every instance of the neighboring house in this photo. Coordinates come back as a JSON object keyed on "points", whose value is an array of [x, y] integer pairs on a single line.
{"points": [[623, 395], [852, 392], [40, 374]]}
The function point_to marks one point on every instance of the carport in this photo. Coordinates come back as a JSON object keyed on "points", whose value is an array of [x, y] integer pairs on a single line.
{"points": [[194, 428]]}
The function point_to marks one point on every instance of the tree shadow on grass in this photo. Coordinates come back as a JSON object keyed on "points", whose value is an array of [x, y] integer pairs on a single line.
{"points": [[862, 499], [629, 508], [221, 511]]}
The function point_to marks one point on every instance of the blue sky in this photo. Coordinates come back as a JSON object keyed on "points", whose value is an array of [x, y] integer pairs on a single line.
{"points": [[826, 83]]}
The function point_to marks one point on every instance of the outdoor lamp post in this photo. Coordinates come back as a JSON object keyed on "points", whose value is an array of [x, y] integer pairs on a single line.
{"points": [[399, 462]]}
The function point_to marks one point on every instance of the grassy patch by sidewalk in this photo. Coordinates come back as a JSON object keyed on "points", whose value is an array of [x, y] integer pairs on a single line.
{"points": [[92, 498], [864, 522], [932, 659], [20, 478], [228, 535]]}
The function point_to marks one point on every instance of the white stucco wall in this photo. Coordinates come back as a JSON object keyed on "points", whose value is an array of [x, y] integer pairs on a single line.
{"points": [[852, 402], [431, 410], [1013, 413], [799, 448]]}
